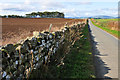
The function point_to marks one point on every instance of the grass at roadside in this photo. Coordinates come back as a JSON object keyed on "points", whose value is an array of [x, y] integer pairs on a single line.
{"points": [[78, 63], [113, 32], [103, 20]]}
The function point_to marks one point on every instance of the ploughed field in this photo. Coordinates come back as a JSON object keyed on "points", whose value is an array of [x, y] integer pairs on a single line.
{"points": [[15, 29]]}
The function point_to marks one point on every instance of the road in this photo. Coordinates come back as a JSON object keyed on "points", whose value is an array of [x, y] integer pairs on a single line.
{"points": [[105, 50]]}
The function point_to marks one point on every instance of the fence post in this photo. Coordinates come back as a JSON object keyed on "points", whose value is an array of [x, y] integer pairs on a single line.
{"points": [[50, 28], [66, 25]]}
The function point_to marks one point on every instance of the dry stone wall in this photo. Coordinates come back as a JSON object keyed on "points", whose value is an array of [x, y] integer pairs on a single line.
{"points": [[18, 60]]}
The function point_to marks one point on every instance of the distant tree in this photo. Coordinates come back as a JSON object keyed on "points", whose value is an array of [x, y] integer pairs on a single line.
{"points": [[14, 16], [8, 16], [40, 14], [46, 14], [3, 16], [33, 14], [28, 15]]}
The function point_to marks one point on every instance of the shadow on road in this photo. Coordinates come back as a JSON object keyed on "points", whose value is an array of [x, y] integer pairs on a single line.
{"points": [[100, 67]]}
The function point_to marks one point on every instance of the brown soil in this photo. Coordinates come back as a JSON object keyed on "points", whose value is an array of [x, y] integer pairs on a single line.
{"points": [[14, 29], [113, 25]]}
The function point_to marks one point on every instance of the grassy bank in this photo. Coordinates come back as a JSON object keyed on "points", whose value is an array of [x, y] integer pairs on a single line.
{"points": [[103, 26], [78, 63], [103, 20]]}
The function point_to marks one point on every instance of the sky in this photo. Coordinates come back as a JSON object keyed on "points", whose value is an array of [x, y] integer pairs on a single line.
{"points": [[71, 8]]}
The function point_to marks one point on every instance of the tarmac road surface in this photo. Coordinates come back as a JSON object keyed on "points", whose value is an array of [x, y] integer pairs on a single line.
{"points": [[105, 50]]}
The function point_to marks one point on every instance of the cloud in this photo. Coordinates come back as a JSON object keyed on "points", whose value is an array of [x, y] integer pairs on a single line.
{"points": [[50, 4], [69, 12], [16, 7], [27, 2], [110, 9], [103, 11], [28, 5], [79, 3], [69, 8], [87, 14]]}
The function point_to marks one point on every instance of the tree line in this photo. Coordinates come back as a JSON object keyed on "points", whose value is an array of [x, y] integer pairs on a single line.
{"points": [[12, 16], [45, 14]]}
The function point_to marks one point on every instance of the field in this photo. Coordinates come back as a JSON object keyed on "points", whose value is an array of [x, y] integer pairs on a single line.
{"points": [[109, 25], [14, 29]]}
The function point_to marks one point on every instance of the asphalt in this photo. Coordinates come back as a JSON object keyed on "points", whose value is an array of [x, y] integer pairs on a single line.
{"points": [[105, 50]]}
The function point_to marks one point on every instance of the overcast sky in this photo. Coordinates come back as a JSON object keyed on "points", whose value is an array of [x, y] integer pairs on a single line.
{"points": [[71, 8]]}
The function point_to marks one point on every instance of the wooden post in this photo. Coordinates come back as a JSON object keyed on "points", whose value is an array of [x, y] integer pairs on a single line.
{"points": [[66, 24], [50, 28], [20, 57], [32, 58]]}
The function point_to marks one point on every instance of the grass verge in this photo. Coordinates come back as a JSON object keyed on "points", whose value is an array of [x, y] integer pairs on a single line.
{"points": [[79, 62], [113, 32]]}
